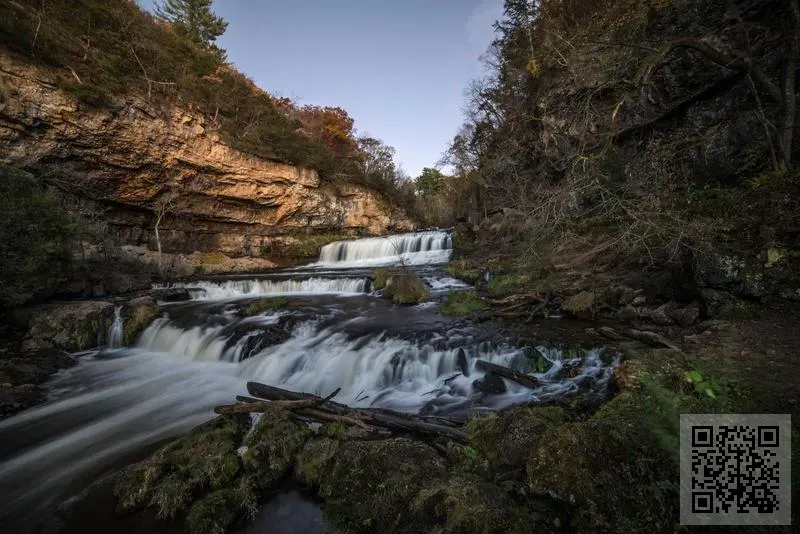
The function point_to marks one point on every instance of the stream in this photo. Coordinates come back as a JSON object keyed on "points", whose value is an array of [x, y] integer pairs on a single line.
{"points": [[118, 403]]}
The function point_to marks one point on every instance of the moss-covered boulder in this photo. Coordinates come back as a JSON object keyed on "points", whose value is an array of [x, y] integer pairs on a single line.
{"points": [[203, 461], [218, 511], [461, 303], [468, 504], [380, 277], [612, 467], [508, 438], [273, 445], [370, 484], [138, 313], [406, 288], [259, 306], [315, 460]]}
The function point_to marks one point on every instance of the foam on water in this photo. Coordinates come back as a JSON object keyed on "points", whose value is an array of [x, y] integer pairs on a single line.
{"points": [[207, 290]]}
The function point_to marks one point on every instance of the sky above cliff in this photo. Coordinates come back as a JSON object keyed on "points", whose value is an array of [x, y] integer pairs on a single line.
{"points": [[399, 68]]}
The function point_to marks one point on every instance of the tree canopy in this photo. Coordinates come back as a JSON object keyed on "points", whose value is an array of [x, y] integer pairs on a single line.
{"points": [[194, 19]]}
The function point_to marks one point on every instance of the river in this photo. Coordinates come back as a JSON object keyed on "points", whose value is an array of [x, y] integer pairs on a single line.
{"points": [[119, 402]]}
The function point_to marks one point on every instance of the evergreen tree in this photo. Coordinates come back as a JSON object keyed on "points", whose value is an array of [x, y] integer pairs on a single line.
{"points": [[194, 19]]}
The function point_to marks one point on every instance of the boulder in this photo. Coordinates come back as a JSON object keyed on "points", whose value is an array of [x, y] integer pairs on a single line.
{"points": [[69, 325]]}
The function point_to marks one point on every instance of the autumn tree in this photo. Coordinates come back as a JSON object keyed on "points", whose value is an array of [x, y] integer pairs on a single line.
{"points": [[377, 162], [195, 20]]}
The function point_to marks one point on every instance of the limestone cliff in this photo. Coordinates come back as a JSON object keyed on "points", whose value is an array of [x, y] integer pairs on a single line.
{"points": [[121, 161]]}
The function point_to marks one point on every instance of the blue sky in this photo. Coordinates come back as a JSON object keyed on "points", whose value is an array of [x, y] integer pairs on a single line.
{"points": [[399, 67]]}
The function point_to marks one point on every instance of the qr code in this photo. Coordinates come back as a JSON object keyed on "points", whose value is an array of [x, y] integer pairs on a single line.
{"points": [[735, 469]]}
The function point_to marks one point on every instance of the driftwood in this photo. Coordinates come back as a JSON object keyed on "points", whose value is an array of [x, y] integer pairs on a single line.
{"points": [[652, 338], [515, 376], [309, 407], [518, 306]]}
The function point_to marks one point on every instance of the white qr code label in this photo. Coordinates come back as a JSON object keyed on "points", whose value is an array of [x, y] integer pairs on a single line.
{"points": [[735, 469]]}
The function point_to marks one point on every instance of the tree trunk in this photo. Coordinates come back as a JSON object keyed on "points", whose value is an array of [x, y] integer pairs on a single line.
{"points": [[510, 374]]}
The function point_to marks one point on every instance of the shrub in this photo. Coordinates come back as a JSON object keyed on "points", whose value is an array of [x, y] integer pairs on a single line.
{"points": [[461, 303], [406, 288], [36, 238]]}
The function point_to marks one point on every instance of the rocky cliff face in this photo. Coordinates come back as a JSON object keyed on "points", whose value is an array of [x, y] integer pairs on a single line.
{"points": [[121, 162]]}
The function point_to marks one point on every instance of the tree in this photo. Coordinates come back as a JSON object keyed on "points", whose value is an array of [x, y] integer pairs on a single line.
{"points": [[377, 162], [429, 182], [195, 20]]}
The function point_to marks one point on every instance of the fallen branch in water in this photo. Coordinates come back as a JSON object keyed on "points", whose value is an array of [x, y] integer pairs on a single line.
{"points": [[308, 407], [510, 374]]}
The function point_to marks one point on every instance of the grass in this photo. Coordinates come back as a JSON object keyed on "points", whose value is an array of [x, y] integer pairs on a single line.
{"points": [[461, 303], [464, 269], [213, 258]]}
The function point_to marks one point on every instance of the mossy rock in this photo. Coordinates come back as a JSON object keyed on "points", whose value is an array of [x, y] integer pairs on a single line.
{"points": [[315, 459], [273, 445], [139, 313], [580, 305], [370, 484], [218, 511], [262, 305], [508, 438], [616, 448], [461, 303], [467, 503], [406, 288], [380, 278], [205, 459]]}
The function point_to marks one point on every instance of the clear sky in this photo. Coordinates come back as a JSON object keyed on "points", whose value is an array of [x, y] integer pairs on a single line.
{"points": [[399, 67]]}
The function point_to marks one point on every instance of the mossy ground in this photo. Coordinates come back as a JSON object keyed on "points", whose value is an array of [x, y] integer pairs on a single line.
{"points": [[461, 303]]}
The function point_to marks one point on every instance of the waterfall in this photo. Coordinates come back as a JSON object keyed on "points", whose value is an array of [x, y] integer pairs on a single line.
{"points": [[432, 246], [206, 290], [115, 331]]}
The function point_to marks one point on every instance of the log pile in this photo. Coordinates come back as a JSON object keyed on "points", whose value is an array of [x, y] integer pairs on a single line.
{"points": [[526, 306], [367, 421]]}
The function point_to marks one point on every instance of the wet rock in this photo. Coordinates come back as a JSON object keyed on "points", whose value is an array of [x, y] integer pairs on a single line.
{"points": [[719, 303], [490, 384], [628, 313], [639, 300], [686, 316], [610, 333], [462, 362], [20, 376], [172, 295], [138, 313], [70, 325]]}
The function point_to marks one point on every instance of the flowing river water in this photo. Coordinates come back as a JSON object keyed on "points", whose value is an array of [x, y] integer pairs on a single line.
{"points": [[119, 402]]}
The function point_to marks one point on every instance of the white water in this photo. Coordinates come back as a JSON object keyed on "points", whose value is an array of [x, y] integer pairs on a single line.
{"points": [[415, 248], [250, 288], [116, 330]]}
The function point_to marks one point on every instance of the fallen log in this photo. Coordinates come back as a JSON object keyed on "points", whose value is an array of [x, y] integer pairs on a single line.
{"points": [[652, 338], [510, 374], [406, 424], [261, 406], [272, 393]]}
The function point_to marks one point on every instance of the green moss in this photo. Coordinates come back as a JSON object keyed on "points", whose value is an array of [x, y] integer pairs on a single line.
{"points": [[215, 513], [301, 245], [262, 305], [370, 484], [464, 269], [213, 258], [273, 445], [505, 283], [406, 288], [315, 459], [460, 303], [466, 503], [205, 459], [509, 437], [379, 278]]}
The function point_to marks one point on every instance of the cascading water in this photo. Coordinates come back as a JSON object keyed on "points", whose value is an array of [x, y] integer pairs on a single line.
{"points": [[415, 248], [116, 403], [116, 330]]}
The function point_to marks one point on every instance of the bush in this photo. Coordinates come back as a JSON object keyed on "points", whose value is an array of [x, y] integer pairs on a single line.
{"points": [[36, 238], [406, 288]]}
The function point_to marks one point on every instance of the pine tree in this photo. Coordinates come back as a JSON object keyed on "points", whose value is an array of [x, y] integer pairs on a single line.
{"points": [[195, 19]]}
